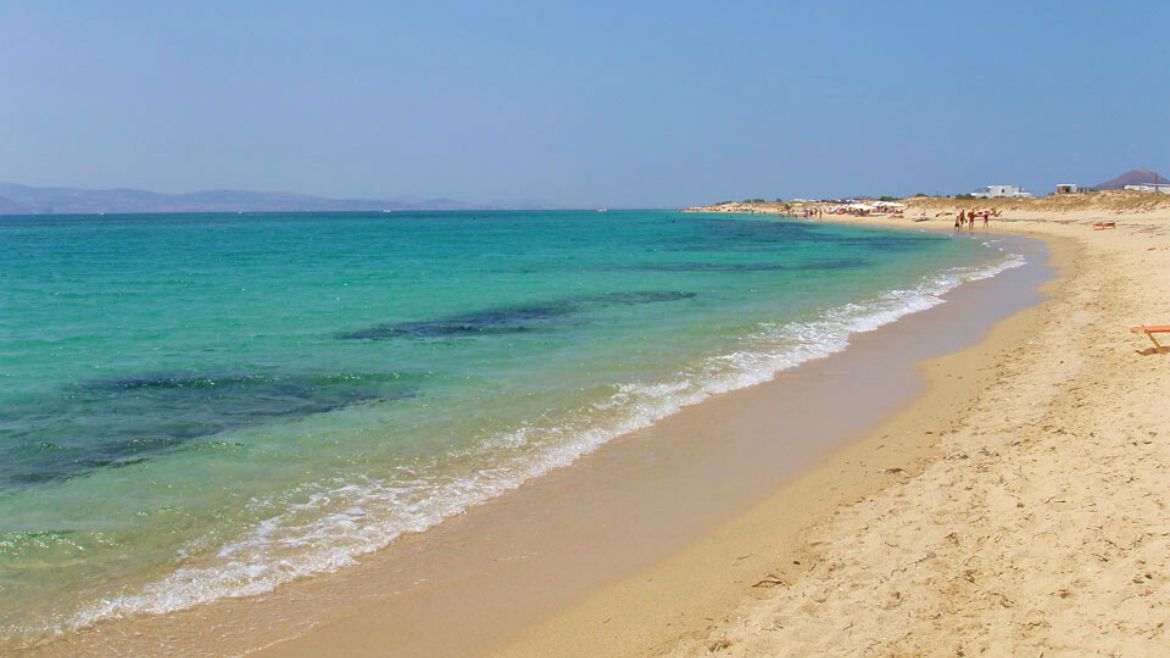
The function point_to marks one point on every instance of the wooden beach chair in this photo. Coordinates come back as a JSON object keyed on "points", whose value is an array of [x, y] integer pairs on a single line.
{"points": [[1101, 226], [1149, 330]]}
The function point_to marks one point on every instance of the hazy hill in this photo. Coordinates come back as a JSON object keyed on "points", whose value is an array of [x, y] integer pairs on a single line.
{"points": [[10, 207], [24, 199], [1140, 176]]}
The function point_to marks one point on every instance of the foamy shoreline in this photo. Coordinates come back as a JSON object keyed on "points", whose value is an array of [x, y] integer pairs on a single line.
{"points": [[757, 410], [804, 341], [335, 597], [1040, 528], [652, 472]]}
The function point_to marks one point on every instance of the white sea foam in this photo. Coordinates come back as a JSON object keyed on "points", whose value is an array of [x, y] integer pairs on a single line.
{"points": [[332, 523]]}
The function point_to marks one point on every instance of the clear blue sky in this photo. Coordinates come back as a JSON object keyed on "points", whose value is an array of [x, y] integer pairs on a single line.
{"points": [[592, 103]]}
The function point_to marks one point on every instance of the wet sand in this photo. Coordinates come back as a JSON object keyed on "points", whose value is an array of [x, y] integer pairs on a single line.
{"points": [[678, 603]]}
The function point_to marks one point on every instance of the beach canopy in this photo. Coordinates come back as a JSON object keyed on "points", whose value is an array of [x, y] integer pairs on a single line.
{"points": [[889, 204], [859, 206]]}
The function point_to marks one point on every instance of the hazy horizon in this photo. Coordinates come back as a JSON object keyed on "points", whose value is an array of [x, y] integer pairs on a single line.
{"points": [[609, 105]]}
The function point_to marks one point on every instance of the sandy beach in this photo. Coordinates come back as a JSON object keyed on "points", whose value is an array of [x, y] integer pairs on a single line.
{"points": [[991, 490], [1012, 509], [1038, 529], [383, 330]]}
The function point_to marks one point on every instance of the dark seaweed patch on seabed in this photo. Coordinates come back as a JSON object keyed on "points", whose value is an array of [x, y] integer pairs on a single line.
{"points": [[834, 264], [118, 422], [816, 264], [884, 241], [701, 267], [717, 234], [723, 235], [509, 319]]}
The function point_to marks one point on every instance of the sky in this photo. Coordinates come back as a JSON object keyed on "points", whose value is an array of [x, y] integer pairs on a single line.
{"points": [[586, 104]]}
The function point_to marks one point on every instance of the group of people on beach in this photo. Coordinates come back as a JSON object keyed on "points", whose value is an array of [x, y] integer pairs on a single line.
{"points": [[967, 219]]}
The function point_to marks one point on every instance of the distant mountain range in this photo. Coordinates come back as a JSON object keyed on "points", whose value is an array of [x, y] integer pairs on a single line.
{"points": [[1140, 176], [27, 200]]}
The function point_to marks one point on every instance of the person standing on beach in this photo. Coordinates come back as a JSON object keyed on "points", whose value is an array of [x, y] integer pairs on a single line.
{"points": [[960, 220], [986, 219]]}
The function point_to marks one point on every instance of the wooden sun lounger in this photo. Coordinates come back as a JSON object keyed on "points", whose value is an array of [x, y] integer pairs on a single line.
{"points": [[1149, 330], [1100, 226]]}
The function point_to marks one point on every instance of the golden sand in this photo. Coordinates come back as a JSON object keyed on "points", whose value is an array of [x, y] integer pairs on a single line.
{"points": [[1040, 528]]}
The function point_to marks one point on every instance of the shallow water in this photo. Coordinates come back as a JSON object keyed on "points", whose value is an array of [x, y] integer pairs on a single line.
{"points": [[201, 406]]}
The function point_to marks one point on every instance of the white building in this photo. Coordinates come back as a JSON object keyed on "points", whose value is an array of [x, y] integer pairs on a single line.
{"points": [[997, 191], [1164, 188]]}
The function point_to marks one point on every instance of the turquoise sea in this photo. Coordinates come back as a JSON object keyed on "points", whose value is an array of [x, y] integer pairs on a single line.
{"points": [[200, 406]]}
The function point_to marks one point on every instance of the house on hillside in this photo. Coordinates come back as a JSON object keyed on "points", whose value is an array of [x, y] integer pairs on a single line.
{"points": [[1000, 191], [1164, 188], [1068, 188]]}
